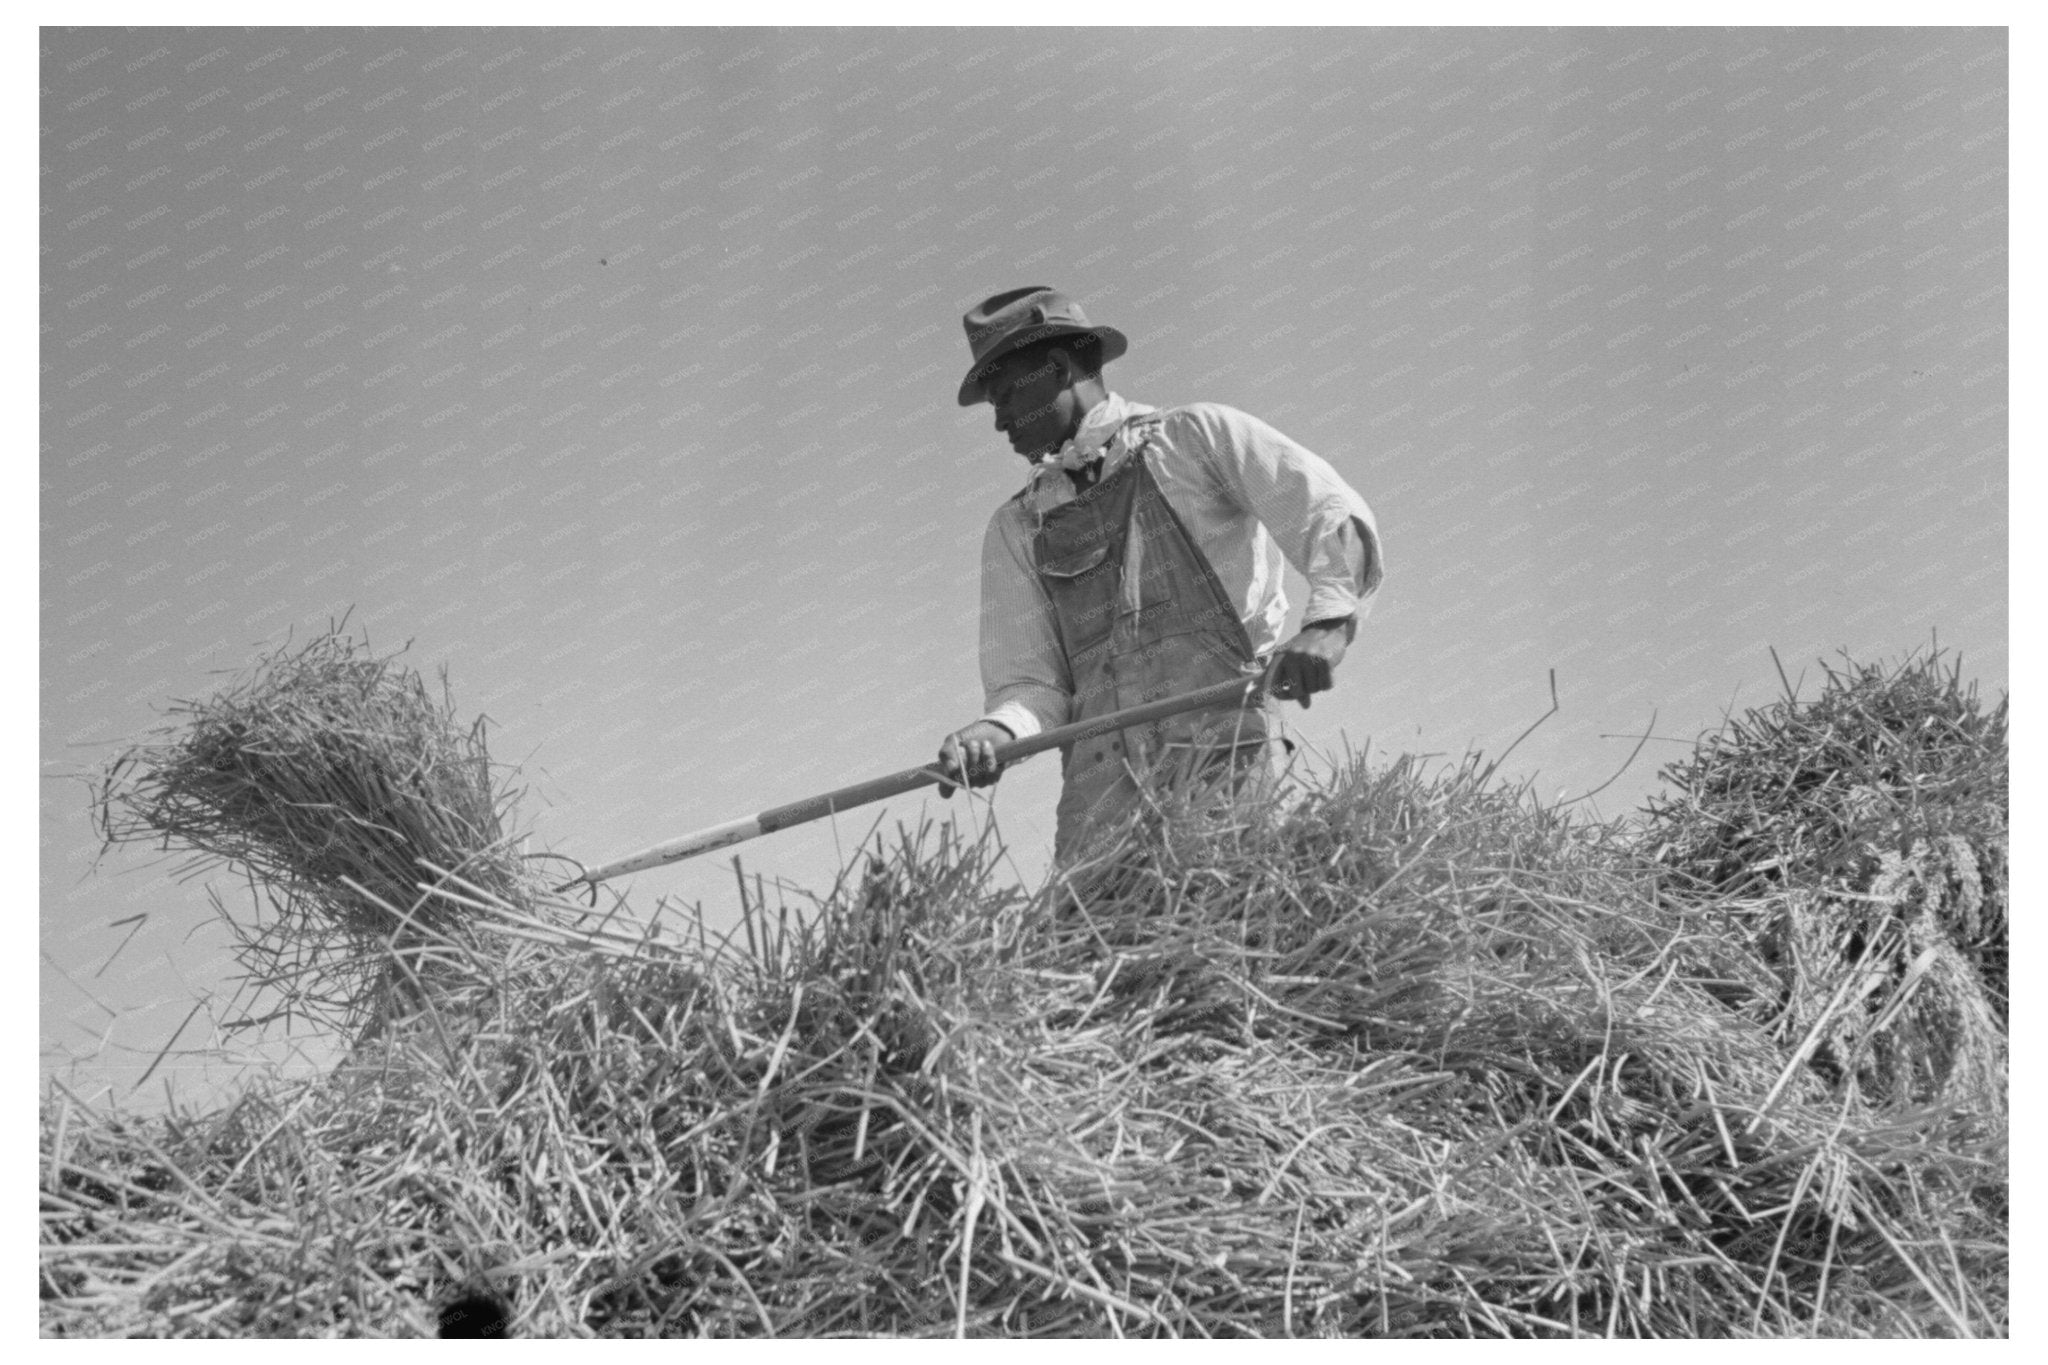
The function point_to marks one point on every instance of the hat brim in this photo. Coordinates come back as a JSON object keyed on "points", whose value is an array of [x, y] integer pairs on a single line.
{"points": [[1113, 342]]}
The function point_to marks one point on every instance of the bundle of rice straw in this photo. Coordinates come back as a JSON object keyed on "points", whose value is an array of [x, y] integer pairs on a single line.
{"points": [[1413, 1057], [1860, 841], [334, 781]]}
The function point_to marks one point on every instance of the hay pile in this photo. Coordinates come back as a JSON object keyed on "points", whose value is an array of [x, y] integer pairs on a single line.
{"points": [[336, 782], [1859, 844], [1413, 1056]]}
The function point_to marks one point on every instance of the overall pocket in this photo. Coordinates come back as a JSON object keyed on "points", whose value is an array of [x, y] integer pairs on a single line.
{"points": [[1082, 583]]}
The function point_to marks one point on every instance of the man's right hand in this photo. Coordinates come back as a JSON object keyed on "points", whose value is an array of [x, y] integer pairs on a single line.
{"points": [[968, 756]]}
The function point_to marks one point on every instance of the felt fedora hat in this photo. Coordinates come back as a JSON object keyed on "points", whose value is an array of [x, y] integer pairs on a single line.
{"points": [[1001, 323]]}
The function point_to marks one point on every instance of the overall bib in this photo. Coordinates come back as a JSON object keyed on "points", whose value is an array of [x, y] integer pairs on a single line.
{"points": [[1141, 617]]}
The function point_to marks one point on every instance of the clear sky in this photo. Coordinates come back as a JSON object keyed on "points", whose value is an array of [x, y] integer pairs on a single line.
{"points": [[615, 371]]}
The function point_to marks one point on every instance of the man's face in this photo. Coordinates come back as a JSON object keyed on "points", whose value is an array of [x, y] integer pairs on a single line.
{"points": [[1035, 405]]}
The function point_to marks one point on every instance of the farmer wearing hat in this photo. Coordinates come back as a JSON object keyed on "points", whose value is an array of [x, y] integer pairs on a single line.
{"points": [[1143, 559]]}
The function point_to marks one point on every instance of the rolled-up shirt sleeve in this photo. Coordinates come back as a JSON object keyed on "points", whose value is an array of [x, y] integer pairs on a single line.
{"points": [[1024, 679], [1320, 523]]}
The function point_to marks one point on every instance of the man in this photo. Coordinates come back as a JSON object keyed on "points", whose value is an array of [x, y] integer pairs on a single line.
{"points": [[1143, 560]]}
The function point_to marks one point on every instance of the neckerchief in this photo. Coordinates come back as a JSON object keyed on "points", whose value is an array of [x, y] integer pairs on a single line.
{"points": [[1101, 436]]}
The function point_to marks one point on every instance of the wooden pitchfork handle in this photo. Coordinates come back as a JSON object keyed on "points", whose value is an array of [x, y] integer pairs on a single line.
{"points": [[1237, 690]]}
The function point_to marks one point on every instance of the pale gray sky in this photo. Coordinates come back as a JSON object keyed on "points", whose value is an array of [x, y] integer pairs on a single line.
{"points": [[614, 370]]}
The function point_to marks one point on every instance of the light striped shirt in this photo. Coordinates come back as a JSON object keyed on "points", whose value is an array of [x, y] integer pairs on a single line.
{"points": [[1248, 497]]}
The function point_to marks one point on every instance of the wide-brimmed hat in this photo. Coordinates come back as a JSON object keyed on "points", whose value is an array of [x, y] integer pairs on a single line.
{"points": [[1001, 323]]}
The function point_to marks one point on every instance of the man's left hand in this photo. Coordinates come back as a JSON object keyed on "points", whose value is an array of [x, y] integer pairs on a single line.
{"points": [[1307, 664]]}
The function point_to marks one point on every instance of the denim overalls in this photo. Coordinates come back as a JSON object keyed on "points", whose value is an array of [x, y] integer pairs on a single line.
{"points": [[1141, 617]]}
